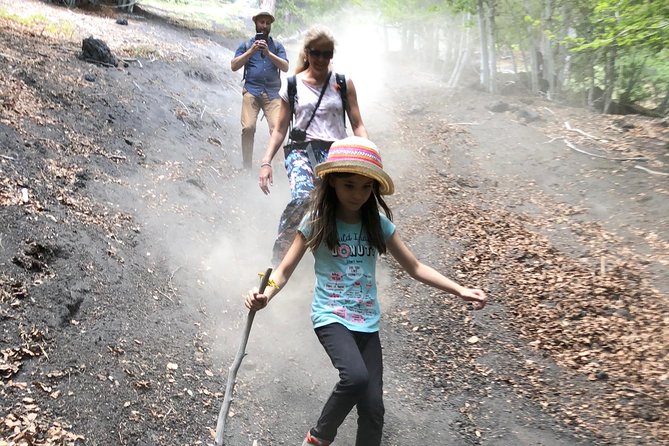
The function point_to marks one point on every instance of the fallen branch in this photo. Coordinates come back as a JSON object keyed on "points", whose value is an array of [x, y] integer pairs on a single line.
{"points": [[181, 102], [169, 282], [571, 146], [98, 62], [7, 56], [133, 60], [640, 392], [654, 172], [164, 295], [217, 172], [554, 138], [9, 158], [573, 129]]}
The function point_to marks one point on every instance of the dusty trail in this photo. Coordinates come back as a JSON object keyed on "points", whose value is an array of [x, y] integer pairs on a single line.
{"points": [[529, 239], [140, 234]]}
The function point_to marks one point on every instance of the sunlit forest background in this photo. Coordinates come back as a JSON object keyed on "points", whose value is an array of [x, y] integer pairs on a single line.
{"points": [[610, 55]]}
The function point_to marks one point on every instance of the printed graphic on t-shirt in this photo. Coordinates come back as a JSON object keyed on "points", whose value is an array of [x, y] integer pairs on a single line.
{"points": [[354, 272], [350, 293], [345, 290]]}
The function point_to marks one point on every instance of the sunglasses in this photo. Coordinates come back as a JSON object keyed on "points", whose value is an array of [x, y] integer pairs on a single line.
{"points": [[321, 54]]}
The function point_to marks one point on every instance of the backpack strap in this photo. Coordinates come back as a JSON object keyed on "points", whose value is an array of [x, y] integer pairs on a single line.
{"points": [[343, 93], [292, 92], [341, 82], [247, 45]]}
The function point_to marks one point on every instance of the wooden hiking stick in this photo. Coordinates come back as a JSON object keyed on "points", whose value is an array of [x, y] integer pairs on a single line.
{"points": [[232, 371]]}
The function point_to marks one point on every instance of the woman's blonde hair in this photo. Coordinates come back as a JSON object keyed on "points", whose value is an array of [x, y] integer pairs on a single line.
{"points": [[316, 33]]}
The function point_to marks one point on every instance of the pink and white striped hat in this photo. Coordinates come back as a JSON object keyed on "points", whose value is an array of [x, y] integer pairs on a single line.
{"points": [[360, 156]]}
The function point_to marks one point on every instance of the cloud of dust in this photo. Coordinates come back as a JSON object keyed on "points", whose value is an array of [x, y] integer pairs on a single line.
{"points": [[241, 247], [367, 51]]}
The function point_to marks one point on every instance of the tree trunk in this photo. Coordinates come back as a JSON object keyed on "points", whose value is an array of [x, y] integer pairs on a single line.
{"points": [[665, 103], [492, 48], [536, 60], [408, 40], [610, 77], [593, 84], [411, 39], [527, 67], [463, 54], [126, 5], [562, 51], [268, 5], [452, 38], [548, 72], [432, 50], [455, 35], [446, 51], [483, 32]]}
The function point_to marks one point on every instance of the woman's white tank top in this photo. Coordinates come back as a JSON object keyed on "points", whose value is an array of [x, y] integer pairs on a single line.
{"points": [[328, 123]]}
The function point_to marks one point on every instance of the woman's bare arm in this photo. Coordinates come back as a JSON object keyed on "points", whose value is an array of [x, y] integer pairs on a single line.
{"points": [[265, 178], [357, 126]]}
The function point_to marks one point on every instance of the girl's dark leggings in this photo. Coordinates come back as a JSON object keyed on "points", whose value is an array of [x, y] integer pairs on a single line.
{"points": [[357, 357]]}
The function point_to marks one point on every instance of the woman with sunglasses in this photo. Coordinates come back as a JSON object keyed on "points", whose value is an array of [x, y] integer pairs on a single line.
{"points": [[319, 114]]}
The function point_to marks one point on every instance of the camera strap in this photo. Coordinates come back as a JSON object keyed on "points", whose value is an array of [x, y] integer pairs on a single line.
{"points": [[325, 86]]}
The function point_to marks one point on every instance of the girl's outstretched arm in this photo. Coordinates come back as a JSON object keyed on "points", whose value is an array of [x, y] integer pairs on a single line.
{"points": [[429, 275], [254, 300]]}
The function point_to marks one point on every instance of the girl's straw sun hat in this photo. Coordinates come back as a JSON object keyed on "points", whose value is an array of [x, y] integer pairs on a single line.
{"points": [[357, 155]]}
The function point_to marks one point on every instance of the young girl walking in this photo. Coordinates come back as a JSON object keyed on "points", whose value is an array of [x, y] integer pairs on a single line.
{"points": [[346, 232]]}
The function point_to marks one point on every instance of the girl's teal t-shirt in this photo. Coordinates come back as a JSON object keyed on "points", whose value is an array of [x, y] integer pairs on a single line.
{"points": [[345, 290]]}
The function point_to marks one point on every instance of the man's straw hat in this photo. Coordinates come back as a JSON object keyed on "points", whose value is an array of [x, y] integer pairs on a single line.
{"points": [[357, 155]]}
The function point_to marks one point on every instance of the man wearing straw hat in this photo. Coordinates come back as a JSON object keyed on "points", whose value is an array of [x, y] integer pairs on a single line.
{"points": [[262, 58]]}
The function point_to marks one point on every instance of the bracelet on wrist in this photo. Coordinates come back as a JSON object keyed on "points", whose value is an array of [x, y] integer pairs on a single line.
{"points": [[266, 164]]}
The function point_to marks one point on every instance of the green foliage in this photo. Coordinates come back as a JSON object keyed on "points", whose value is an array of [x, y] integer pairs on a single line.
{"points": [[300, 14], [141, 51], [466, 6], [409, 11], [212, 15], [28, 21], [639, 32], [642, 75], [626, 24], [40, 23]]}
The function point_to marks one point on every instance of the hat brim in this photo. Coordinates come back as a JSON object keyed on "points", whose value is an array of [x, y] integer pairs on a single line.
{"points": [[263, 14], [386, 186]]}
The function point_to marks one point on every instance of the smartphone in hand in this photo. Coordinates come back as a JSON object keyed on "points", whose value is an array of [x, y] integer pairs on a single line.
{"points": [[261, 36]]}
